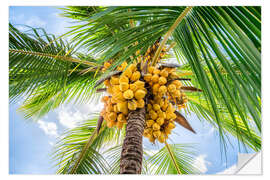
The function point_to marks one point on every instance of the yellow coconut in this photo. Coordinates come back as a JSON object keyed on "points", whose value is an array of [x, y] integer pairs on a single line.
{"points": [[177, 83], [115, 108], [112, 116], [161, 102], [155, 88], [155, 126], [139, 94], [171, 88], [149, 122], [114, 80], [149, 107], [135, 76], [156, 107], [162, 90], [170, 108], [114, 100], [161, 138], [173, 116], [156, 134], [110, 89], [176, 94], [140, 103], [122, 106], [173, 75], [132, 105], [139, 84], [116, 89], [171, 125], [160, 120], [133, 87], [147, 77], [133, 67], [153, 114], [119, 97], [121, 117], [124, 86], [123, 79], [155, 78], [162, 114], [122, 66], [127, 73], [170, 115], [147, 135], [128, 94], [156, 71], [148, 130], [164, 73], [109, 108], [167, 130], [162, 80]]}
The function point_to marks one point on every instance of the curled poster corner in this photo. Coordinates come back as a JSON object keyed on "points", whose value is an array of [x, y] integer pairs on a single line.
{"points": [[249, 164]]}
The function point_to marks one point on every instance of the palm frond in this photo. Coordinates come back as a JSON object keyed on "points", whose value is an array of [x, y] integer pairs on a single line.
{"points": [[183, 157], [45, 70], [75, 154], [209, 39], [109, 34]]}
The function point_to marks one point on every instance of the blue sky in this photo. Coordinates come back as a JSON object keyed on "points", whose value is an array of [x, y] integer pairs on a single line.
{"points": [[31, 142]]}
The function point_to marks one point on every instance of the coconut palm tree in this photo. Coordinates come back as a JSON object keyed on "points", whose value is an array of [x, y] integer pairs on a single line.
{"points": [[217, 48]]}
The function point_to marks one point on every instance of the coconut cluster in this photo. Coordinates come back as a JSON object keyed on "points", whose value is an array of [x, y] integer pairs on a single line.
{"points": [[166, 95], [126, 92], [164, 83], [159, 119], [111, 114]]}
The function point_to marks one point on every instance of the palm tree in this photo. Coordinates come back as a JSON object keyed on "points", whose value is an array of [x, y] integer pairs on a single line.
{"points": [[217, 48]]}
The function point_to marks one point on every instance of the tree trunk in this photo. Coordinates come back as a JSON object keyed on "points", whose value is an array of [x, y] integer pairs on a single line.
{"points": [[132, 151]]}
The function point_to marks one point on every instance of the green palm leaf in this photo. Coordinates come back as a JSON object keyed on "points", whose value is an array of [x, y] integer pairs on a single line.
{"points": [[43, 69], [205, 29], [73, 158], [173, 158]]}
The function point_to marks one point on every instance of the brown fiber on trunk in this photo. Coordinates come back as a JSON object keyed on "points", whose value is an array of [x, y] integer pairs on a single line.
{"points": [[132, 151]]}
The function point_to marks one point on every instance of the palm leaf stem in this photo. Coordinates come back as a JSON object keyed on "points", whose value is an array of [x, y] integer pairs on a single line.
{"points": [[64, 58], [84, 150], [168, 34], [172, 157]]}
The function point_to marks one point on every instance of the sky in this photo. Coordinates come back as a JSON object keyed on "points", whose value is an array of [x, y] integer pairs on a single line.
{"points": [[31, 142]]}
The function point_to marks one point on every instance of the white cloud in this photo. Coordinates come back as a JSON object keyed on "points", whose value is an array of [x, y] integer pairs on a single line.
{"points": [[69, 116], [230, 170], [93, 107], [51, 143], [35, 21], [200, 163], [49, 128], [69, 119]]}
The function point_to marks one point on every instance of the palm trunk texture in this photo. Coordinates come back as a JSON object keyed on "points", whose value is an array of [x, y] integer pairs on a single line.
{"points": [[132, 151]]}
